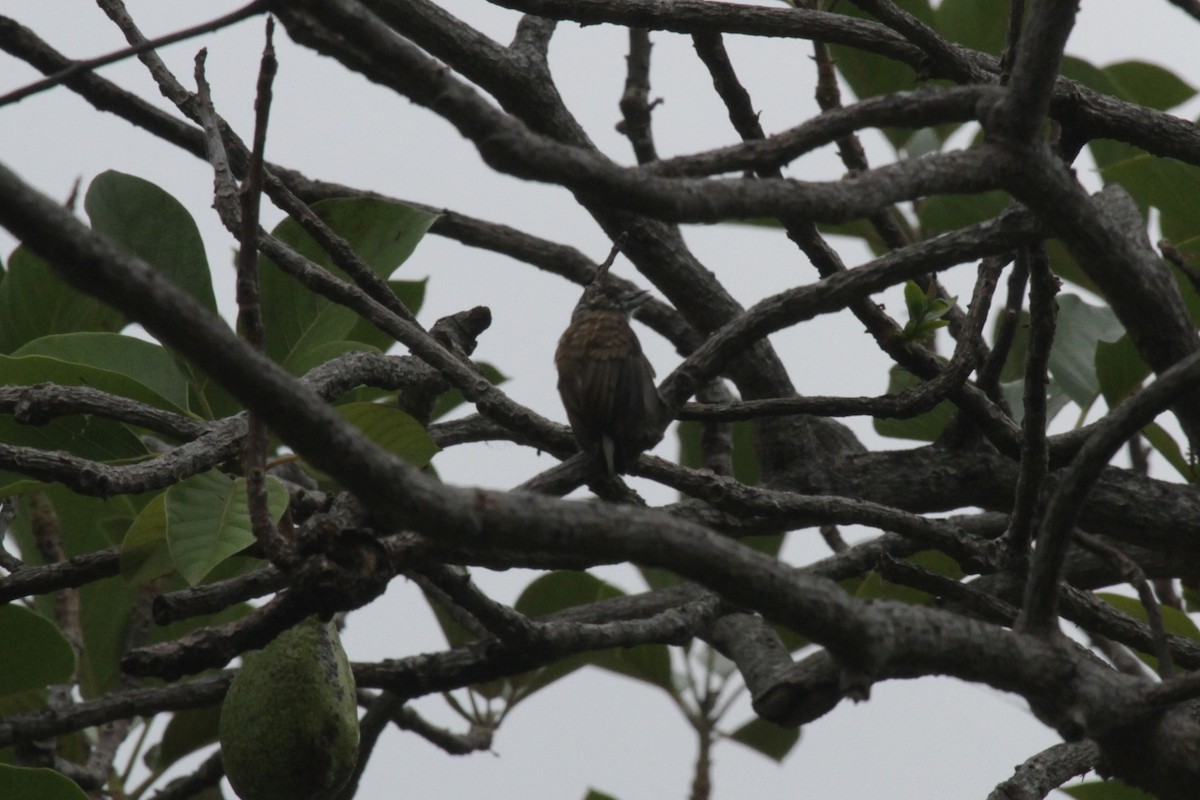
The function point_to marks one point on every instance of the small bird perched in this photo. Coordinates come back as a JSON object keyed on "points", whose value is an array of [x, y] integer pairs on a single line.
{"points": [[606, 383]]}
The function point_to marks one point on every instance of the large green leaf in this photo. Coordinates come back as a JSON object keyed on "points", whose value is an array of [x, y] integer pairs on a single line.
{"points": [[207, 399], [1120, 371], [207, 520], [1174, 621], [1080, 328], [391, 429], [772, 740], [868, 74], [1112, 789], [35, 653], [1168, 185], [89, 524], [145, 554], [147, 364], [978, 24], [155, 227], [1136, 81], [1149, 85], [876, 587], [556, 591], [21, 783], [924, 427], [649, 663], [187, 732], [319, 353], [1014, 395], [1087, 73], [1170, 450], [745, 453], [383, 234], [411, 293], [945, 213], [35, 303], [91, 437]]}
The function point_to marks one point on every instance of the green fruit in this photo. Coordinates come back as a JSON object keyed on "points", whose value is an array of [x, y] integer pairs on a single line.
{"points": [[289, 724]]}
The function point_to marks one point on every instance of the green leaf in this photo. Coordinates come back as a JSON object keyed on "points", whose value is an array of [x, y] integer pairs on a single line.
{"points": [[945, 213], [1014, 361], [1174, 621], [1169, 449], [297, 320], [187, 732], [978, 24], [597, 795], [90, 437], [105, 605], [772, 740], [456, 635], [1063, 264], [207, 520], [1168, 185], [1191, 596], [1112, 789], [20, 783], [876, 587], [868, 74], [145, 554], [1079, 329], [35, 303], [1120, 371], [922, 142], [745, 453], [1148, 85], [650, 663], [207, 399], [1014, 394], [128, 359], [558, 591], [35, 654], [925, 427], [411, 293], [547, 594], [319, 353], [391, 429], [1087, 73], [155, 227], [914, 299], [925, 312]]}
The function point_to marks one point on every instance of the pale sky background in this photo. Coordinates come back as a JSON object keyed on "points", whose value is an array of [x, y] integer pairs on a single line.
{"points": [[931, 739]]}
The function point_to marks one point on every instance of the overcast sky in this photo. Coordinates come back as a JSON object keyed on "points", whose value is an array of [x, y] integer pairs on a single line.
{"points": [[933, 739]]}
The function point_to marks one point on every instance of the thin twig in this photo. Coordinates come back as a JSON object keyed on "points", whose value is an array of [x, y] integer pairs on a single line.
{"points": [[88, 65], [1130, 570], [1043, 310]]}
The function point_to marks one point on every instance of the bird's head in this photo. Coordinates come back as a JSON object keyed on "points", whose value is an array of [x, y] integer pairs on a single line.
{"points": [[605, 294]]}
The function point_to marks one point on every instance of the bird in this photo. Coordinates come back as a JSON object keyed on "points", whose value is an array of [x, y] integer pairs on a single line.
{"points": [[605, 381]]}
